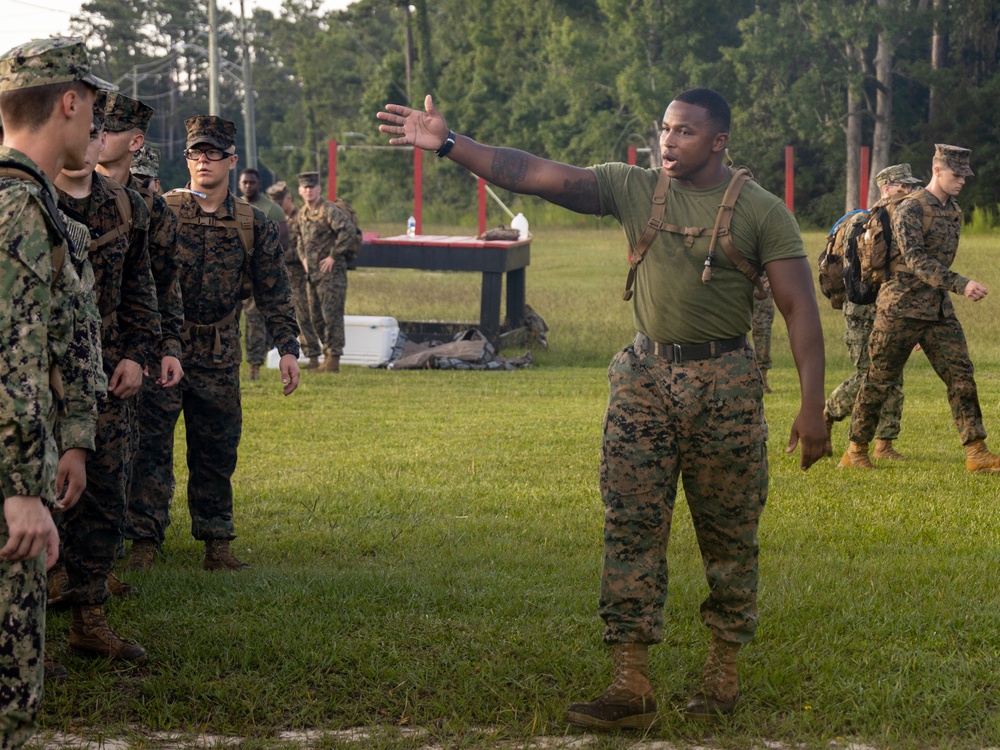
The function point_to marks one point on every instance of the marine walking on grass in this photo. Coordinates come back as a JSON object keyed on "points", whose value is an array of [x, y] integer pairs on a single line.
{"points": [[914, 307], [894, 183], [686, 394]]}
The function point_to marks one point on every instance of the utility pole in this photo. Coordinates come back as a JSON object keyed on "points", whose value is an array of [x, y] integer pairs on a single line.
{"points": [[249, 120], [213, 60]]}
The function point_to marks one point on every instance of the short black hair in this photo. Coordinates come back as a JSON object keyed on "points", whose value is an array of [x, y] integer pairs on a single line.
{"points": [[712, 102], [251, 170]]}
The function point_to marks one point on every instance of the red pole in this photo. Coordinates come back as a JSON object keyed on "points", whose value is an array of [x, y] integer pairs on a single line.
{"points": [[865, 166], [418, 189], [790, 178], [482, 205], [331, 185], [631, 155]]}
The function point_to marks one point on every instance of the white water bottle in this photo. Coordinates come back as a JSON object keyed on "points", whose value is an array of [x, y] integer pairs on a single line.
{"points": [[411, 226], [521, 225]]}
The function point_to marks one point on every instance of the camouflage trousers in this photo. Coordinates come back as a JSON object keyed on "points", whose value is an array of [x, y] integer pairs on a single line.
{"points": [[327, 295], [841, 401], [258, 343], [91, 532], [213, 423], [22, 645], [702, 421], [309, 338], [763, 320], [943, 341]]}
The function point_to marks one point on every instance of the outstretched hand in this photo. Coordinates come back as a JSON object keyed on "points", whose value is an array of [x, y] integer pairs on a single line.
{"points": [[425, 130]]}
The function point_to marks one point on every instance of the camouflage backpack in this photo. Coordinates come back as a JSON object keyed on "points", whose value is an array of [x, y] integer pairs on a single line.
{"points": [[833, 260], [355, 246]]}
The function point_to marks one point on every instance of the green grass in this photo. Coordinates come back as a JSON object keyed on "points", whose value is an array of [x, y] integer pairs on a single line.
{"points": [[426, 552]]}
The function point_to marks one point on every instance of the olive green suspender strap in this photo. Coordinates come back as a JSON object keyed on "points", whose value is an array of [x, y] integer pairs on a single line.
{"points": [[16, 170], [720, 233]]}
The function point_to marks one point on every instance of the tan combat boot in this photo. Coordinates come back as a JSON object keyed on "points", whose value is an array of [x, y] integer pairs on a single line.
{"points": [[763, 377], [119, 588], [331, 363], [218, 556], [828, 422], [312, 364], [979, 458], [57, 583], [142, 556], [90, 633], [629, 703], [720, 685], [856, 457], [884, 449], [254, 373], [53, 669]]}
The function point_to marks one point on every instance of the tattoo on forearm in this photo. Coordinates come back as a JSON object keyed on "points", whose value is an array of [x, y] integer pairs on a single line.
{"points": [[509, 167]]}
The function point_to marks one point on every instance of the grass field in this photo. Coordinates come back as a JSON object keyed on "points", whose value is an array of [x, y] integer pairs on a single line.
{"points": [[426, 552]]}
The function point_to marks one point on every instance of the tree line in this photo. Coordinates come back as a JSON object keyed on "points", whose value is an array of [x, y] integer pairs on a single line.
{"points": [[579, 81]]}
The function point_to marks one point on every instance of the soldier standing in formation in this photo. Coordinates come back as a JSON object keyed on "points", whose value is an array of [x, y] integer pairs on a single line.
{"points": [[914, 307], [47, 95], [311, 348], [216, 269], [894, 183], [146, 169], [326, 236], [257, 342], [126, 298]]}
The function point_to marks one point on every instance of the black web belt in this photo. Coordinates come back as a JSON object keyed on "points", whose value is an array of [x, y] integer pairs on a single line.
{"points": [[678, 353]]}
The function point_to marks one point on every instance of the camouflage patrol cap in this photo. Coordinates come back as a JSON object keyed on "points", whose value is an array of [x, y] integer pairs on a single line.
{"points": [[308, 179], [277, 191], [898, 174], [43, 61], [100, 102], [955, 158], [212, 130], [125, 113], [146, 162]]}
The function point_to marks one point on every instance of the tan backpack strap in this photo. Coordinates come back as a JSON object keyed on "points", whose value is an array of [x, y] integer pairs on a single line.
{"points": [[721, 234], [214, 329], [124, 206], [654, 225]]}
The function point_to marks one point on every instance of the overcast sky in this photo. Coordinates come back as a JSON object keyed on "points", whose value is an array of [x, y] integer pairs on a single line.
{"points": [[21, 20]]}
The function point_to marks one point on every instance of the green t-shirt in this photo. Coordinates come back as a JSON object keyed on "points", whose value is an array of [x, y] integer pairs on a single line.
{"points": [[671, 304], [271, 209]]}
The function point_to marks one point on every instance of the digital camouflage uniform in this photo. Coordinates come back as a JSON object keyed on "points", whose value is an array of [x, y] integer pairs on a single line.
{"points": [[297, 279], [38, 324], [914, 307], [93, 530], [211, 259], [763, 321], [326, 231], [700, 420], [146, 162], [257, 341], [859, 320]]}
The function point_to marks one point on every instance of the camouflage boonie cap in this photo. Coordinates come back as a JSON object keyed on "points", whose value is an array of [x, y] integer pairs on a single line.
{"points": [[309, 179], [124, 113], [100, 102], [277, 191], [211, 130], [43, 61], [899, 174], [955, 158], [146, 162]]}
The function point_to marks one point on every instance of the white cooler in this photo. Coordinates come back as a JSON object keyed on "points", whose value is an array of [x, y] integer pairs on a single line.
{"points": [[368, 340]]}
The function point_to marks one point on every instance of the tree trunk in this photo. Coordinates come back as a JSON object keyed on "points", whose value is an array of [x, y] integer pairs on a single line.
{"points": [[939, 53], [882, 136], [852, 198]]}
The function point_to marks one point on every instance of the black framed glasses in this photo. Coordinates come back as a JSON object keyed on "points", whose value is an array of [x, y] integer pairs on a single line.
{"points": [[212, 154]]}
